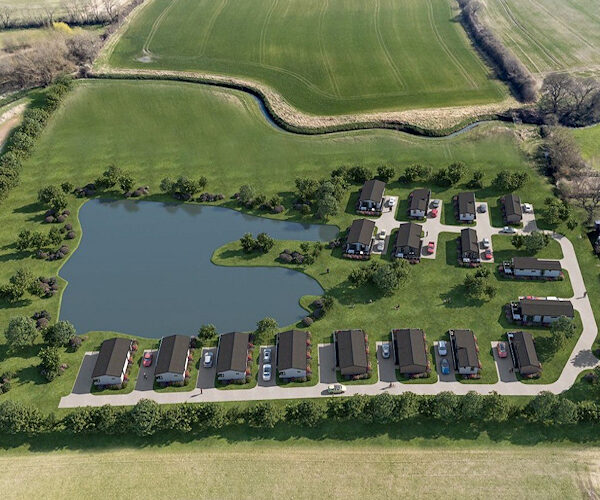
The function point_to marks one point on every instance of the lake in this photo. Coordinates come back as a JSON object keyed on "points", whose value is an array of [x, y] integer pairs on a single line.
{"points": [[144, 268]]}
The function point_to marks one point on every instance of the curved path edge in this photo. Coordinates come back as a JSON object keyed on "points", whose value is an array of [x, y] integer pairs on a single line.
{"points": [[427, 122]]}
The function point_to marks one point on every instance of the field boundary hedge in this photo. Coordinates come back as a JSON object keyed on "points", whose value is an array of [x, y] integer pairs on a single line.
{"points": [[291, 120]]}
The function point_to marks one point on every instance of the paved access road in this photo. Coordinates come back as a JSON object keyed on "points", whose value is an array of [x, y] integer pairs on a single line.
{"points": [[581, 358]]}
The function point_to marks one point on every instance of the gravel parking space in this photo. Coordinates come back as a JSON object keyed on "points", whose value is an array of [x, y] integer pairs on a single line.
{"points": [[206, 376], [83, 382], [529, 224], [327, 364], [387, 369], [504, 366], [145, 380], [273, 364], [451, 377]]}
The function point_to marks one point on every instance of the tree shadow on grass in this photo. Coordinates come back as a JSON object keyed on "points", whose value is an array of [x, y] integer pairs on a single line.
{"points": [[31, 208], [25, 352]]}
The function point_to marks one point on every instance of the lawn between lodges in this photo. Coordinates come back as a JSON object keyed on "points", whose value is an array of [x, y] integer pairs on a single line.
{"points": [[400, 54], [155, 129], [433, 298]]}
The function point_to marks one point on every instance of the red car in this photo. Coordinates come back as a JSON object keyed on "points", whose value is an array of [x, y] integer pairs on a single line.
{"points": [[147, 360], [430, 247], [502, 350], [434, 213], [488, 254]]}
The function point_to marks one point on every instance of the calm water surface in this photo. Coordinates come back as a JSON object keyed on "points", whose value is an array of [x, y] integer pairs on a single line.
{"points": [[144, 268]]}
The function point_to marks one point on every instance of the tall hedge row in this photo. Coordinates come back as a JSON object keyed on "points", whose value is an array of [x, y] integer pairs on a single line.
{"points": [[147, 417], [23, 139]]}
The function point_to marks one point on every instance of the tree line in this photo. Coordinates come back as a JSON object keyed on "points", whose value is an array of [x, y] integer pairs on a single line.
{"points": [[147, 417]]}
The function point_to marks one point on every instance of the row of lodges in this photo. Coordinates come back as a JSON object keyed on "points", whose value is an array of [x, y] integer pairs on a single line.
{"points": [[173, 358], [359, 242]]}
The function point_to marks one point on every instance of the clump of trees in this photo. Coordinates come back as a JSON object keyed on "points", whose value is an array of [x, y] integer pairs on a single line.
{"points": [[18, 284], [263, 243], [385, 277], [323, 197], [20, 332], [446, 176], [249, 197], [309, 252], [414, 173], [507, 180], [59, 334], [532, 243], [115, 176], [569, 100], [478, 285], [508, 67], [562, 329], [206, 333], [556, 211], [183, 188]]}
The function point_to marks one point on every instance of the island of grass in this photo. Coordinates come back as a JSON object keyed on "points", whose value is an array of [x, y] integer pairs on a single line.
{"points": [[325, 58]]}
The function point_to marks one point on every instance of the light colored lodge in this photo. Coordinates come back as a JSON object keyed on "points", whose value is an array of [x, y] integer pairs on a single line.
{"points": [[532, 267], [111, 363], [172, 359], [232, 356]]}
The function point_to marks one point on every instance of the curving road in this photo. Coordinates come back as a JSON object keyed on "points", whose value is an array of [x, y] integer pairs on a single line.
{"points": [[581, 358]]}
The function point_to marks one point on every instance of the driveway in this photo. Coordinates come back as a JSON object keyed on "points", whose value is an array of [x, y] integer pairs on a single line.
{"points": [[387, 369], [83, 382], [145, 380], [273, 363], [451, 377], [529, 224], [206, 376], [327, 364], [504, 366], [387, 221]]}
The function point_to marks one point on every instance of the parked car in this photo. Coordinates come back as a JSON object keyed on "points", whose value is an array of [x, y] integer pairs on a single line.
{"points": [[336, 389], [267, 355], [266, 372], [442, 348], [379, 246], [391, 202], [209, 356], [502, 350], [528, 208], [434, 213], [509, 230], [482, 208], [488, 255], [435, 203], [445, 367], [385, 351], [147, 361], [431, 247], [485, 242], [382, 234]]}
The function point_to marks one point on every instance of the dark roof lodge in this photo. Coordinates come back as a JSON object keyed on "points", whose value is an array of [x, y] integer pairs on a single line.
{"points": [[291, 350], [111, 358], [172, 354], [351, 352]]}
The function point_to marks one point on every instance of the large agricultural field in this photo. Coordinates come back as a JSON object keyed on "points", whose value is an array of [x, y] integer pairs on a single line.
{"points": [[549, 35], [332, 57], [330, 468]]}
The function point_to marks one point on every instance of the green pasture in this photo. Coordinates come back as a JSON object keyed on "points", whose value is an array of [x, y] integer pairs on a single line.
{"points": [[324, 57]]}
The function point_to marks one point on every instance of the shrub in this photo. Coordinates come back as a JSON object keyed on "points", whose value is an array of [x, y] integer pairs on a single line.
{"points": [[306, 412], [385, 173], [59, 334], [207, 332], [145, 417], [67, 187], [307, 321], [50, 362], [21, 331]]}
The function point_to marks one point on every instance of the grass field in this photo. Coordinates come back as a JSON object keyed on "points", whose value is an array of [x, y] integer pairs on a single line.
{"points": [[589, 141], [549, 35], [331, 57], [335, 470], [156, 129]]}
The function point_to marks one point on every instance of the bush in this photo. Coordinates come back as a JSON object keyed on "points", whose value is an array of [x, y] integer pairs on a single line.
{"points": [[385, 173], [21, 331], [50, 362], [145, 417], [262, 415], [306, 413]]}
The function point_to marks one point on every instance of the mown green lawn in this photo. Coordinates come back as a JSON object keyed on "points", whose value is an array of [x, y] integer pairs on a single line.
{"points": [[155, 129], [331, 57], [588, 139]]}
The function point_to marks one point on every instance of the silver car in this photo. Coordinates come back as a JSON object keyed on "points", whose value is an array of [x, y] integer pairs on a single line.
{"points": [[442, 348], [266, 373], [385, 351], [267, 355]]}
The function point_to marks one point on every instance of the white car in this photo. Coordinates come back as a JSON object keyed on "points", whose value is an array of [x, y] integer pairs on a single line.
{"points": [[528, 208], [382, 234], [266, 373], [267, 355], [509, 230], [208, 359], [435, 204], [442, 348], [485, 242], [336, 389], [379, 246], [391, 202], [482, 209]]}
